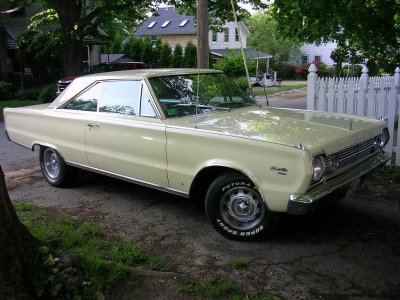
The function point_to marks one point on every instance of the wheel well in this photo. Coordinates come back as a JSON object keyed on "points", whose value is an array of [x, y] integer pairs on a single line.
{"points": [[203, 180]]}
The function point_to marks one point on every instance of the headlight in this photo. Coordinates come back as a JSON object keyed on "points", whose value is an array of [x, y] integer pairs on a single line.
{"points": [[382, 139], [318, 168]]}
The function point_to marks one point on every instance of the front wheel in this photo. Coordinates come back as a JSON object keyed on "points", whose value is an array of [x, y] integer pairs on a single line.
{"points": [[236, 210], [54, 169]]}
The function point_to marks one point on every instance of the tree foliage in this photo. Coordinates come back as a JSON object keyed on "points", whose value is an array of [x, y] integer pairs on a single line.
{"points": [[190, 56], [67, 24], [363, 29], [177, 57], [165, 58], [233, 65], [219, 11], [264, 37]]}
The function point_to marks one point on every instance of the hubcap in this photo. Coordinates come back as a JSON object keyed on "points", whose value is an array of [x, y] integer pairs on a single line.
{"points": [[242, 208], [51, 163]]}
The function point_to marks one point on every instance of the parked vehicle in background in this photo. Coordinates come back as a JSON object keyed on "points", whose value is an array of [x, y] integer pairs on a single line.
{"points": [[101, 68], [196, 134]]}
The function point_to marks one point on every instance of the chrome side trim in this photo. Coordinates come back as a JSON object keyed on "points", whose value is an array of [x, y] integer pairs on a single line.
{"points": [[300, 204], [129, 179]]}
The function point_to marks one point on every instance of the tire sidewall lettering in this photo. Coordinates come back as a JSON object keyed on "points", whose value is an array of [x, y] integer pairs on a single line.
{"points": [[235, 184], [235, 232]]}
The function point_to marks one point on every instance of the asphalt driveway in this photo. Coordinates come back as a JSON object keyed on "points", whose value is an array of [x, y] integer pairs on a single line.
{"points": [[347, 249]]}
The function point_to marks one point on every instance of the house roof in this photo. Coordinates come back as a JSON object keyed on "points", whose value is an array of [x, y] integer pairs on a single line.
{"points": [[158, 23], [249, 52]]}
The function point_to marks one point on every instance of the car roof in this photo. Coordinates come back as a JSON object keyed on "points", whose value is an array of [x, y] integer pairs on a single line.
{"points": [[80, 83], [148, 73]]}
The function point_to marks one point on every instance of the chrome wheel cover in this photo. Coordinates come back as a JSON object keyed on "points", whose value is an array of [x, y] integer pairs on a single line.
{"points": [[51, 162], [242, 208]]}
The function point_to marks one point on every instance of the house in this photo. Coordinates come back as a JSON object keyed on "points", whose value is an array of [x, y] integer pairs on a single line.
{"points": [[174, 28], [23, 69], [13, 23], [318, 53]]}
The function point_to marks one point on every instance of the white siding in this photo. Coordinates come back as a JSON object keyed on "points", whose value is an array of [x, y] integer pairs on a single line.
{"points": [[232, 44], [324, 51]]}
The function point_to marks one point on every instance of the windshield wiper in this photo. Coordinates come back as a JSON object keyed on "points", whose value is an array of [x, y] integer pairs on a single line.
{"points": [[202, 106]]}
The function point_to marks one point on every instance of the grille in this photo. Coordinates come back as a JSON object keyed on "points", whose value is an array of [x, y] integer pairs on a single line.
{"points": [[348, 157], [62, 85]]}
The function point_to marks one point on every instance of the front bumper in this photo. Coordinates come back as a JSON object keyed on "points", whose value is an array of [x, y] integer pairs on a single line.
{"points": [[301, 204]]}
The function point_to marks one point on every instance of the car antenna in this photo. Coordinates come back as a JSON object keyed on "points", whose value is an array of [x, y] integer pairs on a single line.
{"points": [[241, 46], [197, 95]]}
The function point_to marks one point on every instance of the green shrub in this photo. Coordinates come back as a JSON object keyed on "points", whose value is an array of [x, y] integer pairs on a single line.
{"points": [[233, 65], [242, 83], [286, 71], [28, 94], [302, 71], [48, 93], [5, 90]]}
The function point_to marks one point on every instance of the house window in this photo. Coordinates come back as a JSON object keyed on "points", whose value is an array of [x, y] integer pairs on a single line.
{"points": [[165, 24], [236, 35], [317, 58], [151, 25], [153, 39], [226, 35], [214, 35], [304, 59], [183, 23]]}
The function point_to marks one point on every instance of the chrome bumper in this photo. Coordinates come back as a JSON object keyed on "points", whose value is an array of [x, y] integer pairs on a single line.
{"points": [[301, 204]]}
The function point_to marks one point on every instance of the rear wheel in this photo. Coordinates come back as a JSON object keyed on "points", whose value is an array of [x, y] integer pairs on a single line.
{"points": [[236, 210], [54, 169]]}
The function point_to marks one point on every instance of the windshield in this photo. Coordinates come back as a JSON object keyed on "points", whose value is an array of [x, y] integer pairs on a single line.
{"points": [[189, 94]]}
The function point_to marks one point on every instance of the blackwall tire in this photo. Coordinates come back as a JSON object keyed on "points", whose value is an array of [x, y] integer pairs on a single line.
{"points": [[54, 169], [235, 208]]}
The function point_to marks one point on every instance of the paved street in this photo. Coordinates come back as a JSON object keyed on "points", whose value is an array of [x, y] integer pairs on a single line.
{"points": [[349, 249]]}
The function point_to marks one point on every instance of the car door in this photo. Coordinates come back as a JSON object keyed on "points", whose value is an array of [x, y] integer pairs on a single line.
{"points": [[125, 137]]}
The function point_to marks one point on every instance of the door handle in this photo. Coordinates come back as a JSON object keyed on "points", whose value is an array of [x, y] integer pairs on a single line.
{"points": [[91, 125]]}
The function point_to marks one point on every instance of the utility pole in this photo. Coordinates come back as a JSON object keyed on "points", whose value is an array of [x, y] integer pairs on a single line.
{"points": [[202, 34]]}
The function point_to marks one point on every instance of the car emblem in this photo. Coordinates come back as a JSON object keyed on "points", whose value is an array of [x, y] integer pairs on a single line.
{"points": [[280, 171]]}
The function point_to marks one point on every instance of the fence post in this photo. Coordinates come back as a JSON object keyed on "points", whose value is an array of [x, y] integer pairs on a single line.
{"points": [[364, 79], [312, 79], [396, 87]]}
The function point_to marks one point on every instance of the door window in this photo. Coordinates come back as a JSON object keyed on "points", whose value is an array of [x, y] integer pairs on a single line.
{"points": [[120, 97], [87, 101]]}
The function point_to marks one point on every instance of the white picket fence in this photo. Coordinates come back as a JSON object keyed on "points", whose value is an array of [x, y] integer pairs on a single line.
{"points": [[376, 97]]}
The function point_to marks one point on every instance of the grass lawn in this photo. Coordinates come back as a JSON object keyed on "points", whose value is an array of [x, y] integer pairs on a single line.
{"points": [[259, 91], [15, 103]]}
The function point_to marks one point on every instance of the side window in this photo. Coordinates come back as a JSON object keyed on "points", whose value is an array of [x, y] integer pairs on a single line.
{"points": [[146, 109], [120, 97], [87, 101]]}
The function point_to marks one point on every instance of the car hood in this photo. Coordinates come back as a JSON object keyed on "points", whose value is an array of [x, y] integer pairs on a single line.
{"points": [[316, 131]]}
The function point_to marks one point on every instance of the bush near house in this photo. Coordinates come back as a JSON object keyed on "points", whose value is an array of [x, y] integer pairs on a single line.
{"points": [[322, 69], [5, 90], [233, 66], [48, 93], [28, 94], [286, 71]]}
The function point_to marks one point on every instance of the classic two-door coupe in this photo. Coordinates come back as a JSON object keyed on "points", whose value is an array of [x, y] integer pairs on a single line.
{"points": [[194, 133]]}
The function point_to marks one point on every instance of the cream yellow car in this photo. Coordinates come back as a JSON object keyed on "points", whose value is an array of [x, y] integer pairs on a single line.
{"points": [[194, 133]]}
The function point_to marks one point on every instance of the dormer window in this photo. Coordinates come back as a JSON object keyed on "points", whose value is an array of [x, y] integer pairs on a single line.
{"points": [[183, 23], [151, 25], [165, 24]]}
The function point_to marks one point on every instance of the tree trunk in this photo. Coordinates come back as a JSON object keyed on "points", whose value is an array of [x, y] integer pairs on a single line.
{"points": [[73, 58], [69, 13], [19, 255], [202, 34]]}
